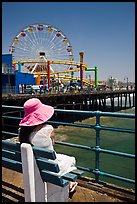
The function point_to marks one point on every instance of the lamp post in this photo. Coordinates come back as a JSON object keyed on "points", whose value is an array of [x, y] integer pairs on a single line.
{"points": [[111, 83]]}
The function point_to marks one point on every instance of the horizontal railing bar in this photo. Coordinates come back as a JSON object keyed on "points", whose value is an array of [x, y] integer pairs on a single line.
{"points": [[85, 169], [85, 147], [96, 149], [9, 133], [117, 129], [75, 145], [101, 173], [11, 112], [121, 115], [100, 113], [81, 125], [14, 107], [93, 126], [94, 113], [115, 176], [11, 117], [117, 153], [72, 124]]}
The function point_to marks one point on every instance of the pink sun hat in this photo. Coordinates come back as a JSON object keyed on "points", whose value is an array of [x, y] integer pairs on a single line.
{"points": [[35, 112]]}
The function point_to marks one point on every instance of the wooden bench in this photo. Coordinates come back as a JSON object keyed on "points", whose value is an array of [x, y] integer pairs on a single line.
{"points": [[40, 173]]}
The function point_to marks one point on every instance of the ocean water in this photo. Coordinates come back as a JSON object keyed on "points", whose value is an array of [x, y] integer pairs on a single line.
{"points": [[113, 164]]}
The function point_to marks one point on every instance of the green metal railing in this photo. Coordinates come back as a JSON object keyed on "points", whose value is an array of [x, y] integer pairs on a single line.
{"points": [[97, 127]]}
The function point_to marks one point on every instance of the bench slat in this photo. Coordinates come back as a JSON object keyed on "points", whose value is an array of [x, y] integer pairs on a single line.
{"points": [[42, 152], [38, 151], [12, 164], [10, 145], [48, 165], [11, 158], [11, 155], [78, 172], [70, 177], [53, 178]]}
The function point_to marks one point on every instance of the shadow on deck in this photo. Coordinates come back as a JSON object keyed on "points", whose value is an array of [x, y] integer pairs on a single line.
{"points": [[86, 191]]}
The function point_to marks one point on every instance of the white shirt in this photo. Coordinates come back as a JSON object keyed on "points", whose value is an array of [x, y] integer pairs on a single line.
{"points": [[41, 137]]}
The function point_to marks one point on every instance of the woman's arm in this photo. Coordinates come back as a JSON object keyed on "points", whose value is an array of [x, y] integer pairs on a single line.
{"points": [[52, 137]]}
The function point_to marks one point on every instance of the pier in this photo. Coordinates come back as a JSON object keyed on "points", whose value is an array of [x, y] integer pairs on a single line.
{"points": [[93, 100]]}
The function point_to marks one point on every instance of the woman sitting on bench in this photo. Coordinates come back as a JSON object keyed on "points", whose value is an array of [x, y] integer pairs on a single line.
{"points": [[35, 131]]}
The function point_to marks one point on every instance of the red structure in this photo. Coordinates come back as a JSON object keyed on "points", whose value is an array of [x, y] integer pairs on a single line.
{"points": [[48, 72]]}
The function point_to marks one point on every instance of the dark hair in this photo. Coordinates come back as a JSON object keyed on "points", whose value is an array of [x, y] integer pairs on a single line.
{"points": [[24, 133]]}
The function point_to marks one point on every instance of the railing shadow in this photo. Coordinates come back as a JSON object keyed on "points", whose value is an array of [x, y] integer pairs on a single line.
{"points": [[12, 193]]}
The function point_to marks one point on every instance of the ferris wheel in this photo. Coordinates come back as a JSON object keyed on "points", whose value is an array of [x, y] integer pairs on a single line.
{"points": [[39, 43]]}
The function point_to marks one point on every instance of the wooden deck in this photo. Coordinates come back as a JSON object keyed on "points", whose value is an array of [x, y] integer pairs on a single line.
{"points": [[86, 191]]}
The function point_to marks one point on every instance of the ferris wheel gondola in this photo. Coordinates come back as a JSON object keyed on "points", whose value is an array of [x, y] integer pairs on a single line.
{"points": [[39, 43]]}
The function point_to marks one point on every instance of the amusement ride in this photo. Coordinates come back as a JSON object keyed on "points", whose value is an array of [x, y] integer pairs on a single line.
{"points": [[46, 52]]}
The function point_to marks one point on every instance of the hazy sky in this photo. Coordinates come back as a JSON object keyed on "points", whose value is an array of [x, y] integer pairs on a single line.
{"points": [[104, 31]]}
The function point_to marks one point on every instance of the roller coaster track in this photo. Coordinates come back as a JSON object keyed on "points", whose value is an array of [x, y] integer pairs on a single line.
{"points": [[41, 61]]}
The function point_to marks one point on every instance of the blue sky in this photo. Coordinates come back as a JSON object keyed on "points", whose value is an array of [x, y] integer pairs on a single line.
{"points": [[104, 31]]}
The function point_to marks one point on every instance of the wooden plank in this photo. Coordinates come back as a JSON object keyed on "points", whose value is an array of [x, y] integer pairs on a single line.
{"points": [[53, 178], [11, 155], [12, 159], [12, 164], [42, 152], [48, 165], [78, 172], [10, 145], [70, 177]]}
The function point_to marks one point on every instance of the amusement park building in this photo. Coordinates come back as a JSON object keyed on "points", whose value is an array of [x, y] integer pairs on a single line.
{"points": [[13, 79]]}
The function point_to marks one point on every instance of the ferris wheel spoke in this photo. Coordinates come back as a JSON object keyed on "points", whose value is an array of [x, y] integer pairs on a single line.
{"points": [[32, 39], [35, 37], [24, 50], [51, 41], [21, 55], [54, 41], [38, 39], [58, 45], [60, 51], [45, 40], [50, 36], [27, 41], [25, 46]]}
